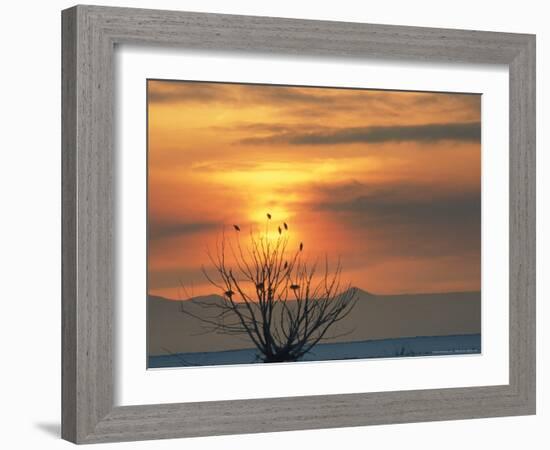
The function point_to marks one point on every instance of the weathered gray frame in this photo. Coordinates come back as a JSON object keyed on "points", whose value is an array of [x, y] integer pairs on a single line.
{"points": [[89, 36]]}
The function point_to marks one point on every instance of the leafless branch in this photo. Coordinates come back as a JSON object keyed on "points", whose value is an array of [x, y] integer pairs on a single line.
{"points": [[273, 295]]}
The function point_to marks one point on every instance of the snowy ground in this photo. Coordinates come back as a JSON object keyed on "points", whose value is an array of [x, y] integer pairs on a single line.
{"points": [[383, 348]]}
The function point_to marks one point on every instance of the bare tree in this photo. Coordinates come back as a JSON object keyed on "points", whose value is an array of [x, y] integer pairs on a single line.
{"points": [[271, 294]]}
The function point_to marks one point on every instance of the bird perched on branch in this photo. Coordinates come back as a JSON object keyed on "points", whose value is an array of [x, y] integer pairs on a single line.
{"points": [[280, 231], [301, 246], [285, 225], [269, 216], [237, 227]]}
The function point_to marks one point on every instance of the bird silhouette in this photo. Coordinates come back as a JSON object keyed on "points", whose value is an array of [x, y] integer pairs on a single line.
{"points": [[280, 231], [285, 225], [269, 216], [237, 227], [301, 246]]}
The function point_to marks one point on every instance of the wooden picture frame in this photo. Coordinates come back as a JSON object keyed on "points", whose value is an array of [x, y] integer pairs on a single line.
{"points": [[90, 34]]}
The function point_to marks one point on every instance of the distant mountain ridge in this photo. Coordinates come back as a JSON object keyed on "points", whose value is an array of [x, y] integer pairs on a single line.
{"points": [[360, 292], [374, 317]]}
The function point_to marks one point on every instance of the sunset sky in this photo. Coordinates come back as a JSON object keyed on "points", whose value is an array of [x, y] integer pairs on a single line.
{"points": [[387, 181]]}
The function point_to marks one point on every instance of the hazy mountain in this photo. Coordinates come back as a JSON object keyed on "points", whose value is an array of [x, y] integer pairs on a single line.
{"points": [[373, 317]]}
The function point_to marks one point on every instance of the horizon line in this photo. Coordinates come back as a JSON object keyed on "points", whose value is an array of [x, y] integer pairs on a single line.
{"points": [[353, 287]]}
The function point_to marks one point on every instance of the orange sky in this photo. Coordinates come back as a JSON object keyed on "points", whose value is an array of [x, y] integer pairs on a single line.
{"points": [[387, 181]]}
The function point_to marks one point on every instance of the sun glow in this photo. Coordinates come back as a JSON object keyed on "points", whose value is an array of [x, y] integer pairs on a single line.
{"points": [[352, 173]]}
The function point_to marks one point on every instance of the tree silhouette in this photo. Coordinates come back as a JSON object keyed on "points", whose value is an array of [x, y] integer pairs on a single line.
{"points": [[273, 295]]}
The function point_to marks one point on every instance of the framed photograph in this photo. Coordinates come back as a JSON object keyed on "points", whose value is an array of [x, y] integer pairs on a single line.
{"points": [[279, 224], [253, 196]]}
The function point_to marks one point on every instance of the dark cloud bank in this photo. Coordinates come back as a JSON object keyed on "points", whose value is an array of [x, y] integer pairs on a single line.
{"points": [[465, 132]]}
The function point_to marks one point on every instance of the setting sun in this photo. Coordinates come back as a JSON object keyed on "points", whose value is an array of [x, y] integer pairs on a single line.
{"points": [[389, 182]]}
